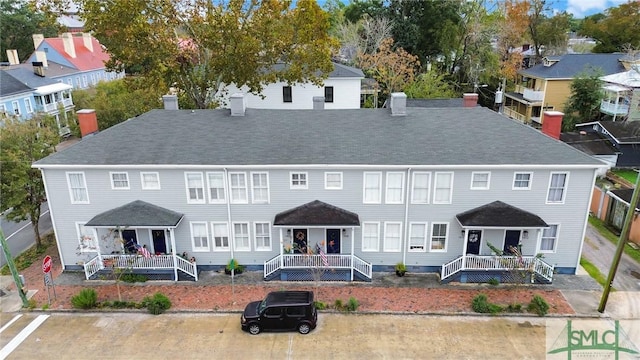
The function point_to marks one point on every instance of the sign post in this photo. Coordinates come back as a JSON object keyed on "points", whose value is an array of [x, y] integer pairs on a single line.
{"points": [[48, 281]]}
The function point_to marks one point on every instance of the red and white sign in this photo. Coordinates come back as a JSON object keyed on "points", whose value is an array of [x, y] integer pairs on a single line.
{"points": [[46, 264]]}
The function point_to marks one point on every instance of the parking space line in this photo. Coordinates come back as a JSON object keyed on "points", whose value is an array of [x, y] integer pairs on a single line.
{"points": [[18, 339], [10, 322]]}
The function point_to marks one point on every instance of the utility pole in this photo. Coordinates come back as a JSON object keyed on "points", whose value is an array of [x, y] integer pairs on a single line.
{"points": [[621, 242], [13, 269]]}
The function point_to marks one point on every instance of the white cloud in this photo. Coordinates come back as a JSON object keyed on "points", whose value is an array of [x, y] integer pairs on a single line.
{"points": [[582, 8]]}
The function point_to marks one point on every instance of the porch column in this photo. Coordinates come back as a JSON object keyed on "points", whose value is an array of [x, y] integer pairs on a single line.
{"points": [[173, 253], [464, 248], [281, 249], [95, 231], [353, 240]]}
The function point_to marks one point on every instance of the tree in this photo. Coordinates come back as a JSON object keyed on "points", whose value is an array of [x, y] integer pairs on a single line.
{"points": [[393, 69], [201, 46], [584, 103], [512, 30], [358, 9], [22, 143], [430, 85], [362, 37], [18, 22], [546, 33], [615, 28]]}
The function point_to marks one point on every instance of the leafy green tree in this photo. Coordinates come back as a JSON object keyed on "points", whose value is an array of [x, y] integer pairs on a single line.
{"points": [[22, 143], [614, 29], [357, 9], [430, 85], [18, 22], [544, 31], [584, 103], [200, 46]]}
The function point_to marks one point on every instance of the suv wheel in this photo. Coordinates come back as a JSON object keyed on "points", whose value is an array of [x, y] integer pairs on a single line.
{"points": [[304, 328], [254, 329]]}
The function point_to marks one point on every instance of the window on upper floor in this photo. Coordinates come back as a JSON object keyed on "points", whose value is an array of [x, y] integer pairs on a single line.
{"points": [[238, 187], [370, 236], [27, 105], [220, 233], [557, 188], [262, 232], [480, 180], [394, 193], [392, 236], [286, 94], [443, 188], [439, 234], [549, 239], [150, 180], [215, 182], [333, 180], [119, 180], [417, 237], [199, 236], [195, 187], [522, 180], [77, 188], [299, 180], [328, 94], [259, 187], [372, 184]]}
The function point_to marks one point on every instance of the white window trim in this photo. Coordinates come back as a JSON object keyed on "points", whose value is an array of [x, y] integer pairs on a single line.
{"points": [[384, 246], [16, 107], [364, 184], [299, 187], [113, 184], [555, 241], [446, 238], [326, 174], [213, 237], [84, 182], [386, 192], [142, 184], [424, 240], [435, 188], [193, 244], [233, 231], [474, 173], [253, 199], [413, 186], [513, 184], [79, 234], [246, 191], [224, 188], [564, 189], [3, 108], [377, 246], [28, 106], [255, 236], [186, 186]]}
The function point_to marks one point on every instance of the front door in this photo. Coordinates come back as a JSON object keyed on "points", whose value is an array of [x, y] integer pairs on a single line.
{"points": [[511, 240], [300, 241], [473, 242], [333, 241], [130, 241], [159, 241]]}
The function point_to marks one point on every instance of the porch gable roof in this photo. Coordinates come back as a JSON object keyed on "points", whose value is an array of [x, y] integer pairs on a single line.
{"points": [[499, 214], [137, 213], [317, 213]]}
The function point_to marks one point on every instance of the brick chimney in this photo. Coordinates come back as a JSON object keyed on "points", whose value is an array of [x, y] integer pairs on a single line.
{"points": [[469, 100], [12, 56], [87, 41], [398, 104], [318, 103], [552, 124], [37, 40], [88, 121], [170, 102], [238, 104], [69, 47]]}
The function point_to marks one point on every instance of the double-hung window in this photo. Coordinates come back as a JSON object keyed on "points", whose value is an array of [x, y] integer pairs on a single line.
{"points": [[522, 180], [299, 180], [241, 237], [150, 180], [480, 180], [333, 180], [87, 238], [549, 239], [195, 187], [238, 187], [421, 187], [372, 187], [260, 187], [418, 237], [443, 188], [199, 236], [439, 233], [27, 105], [262, 234], [119, 180], [77, 188], [395, 188], [370, 236], [557, 188], [392, 236], [220, 236], [16, 107], [215, 182]]}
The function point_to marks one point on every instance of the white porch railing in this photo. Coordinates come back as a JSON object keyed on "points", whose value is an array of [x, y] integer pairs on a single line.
{"points": [[497, 263], [334, 261], [613, 108], [186, 266], [139, 262]]}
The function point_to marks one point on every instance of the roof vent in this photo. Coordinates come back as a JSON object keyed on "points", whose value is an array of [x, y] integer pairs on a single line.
{"points": [[318, 103], [398, 104], [238, 104], [170, 102]]}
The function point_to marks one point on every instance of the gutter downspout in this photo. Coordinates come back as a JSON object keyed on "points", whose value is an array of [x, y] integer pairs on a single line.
{"points": [[226, 196], [464, 248], [353, 240], [406, 218]]}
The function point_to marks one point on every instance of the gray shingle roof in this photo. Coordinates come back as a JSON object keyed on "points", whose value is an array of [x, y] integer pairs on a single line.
{"points": [[570, 65], [451, 136], [591, 143], [11, 86], [317, 213], [435, 103], [52, 70], [625, 132], [499, 214], [27, 77], [339, 70], [136, 213]]}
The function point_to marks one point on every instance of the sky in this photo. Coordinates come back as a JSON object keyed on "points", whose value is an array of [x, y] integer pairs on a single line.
{"points": [[582, 8]]}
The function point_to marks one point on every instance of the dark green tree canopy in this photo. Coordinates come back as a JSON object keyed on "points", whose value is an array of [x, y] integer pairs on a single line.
{"points": [[18, 21], [614, 30], [584, 103]]}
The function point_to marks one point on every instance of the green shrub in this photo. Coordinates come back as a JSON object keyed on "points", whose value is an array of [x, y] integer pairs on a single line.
{"points": [[320, 305], [133, 278], [514, 308], [157, 304], [119, 304], [493, 281], [45, 307], [338, 305], [538, 305], [352, 305], [86, 299], [480, 304], [32, 304]]}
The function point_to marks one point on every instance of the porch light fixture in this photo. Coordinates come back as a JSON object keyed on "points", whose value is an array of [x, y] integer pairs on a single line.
{"points": [[525, 234], [344, 233], [289, 233], [462, 233]]}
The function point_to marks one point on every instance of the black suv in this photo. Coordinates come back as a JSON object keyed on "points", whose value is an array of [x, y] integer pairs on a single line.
{"points": [[281, 311]]}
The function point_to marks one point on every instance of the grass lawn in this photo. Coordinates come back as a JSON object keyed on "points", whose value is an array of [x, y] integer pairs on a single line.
{"points": [[599, 225], [629, 175], [593, 271]]}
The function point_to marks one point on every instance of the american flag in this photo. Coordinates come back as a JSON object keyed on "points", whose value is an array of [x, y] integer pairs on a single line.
{"points": [[143, 251], [325, 261]]}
